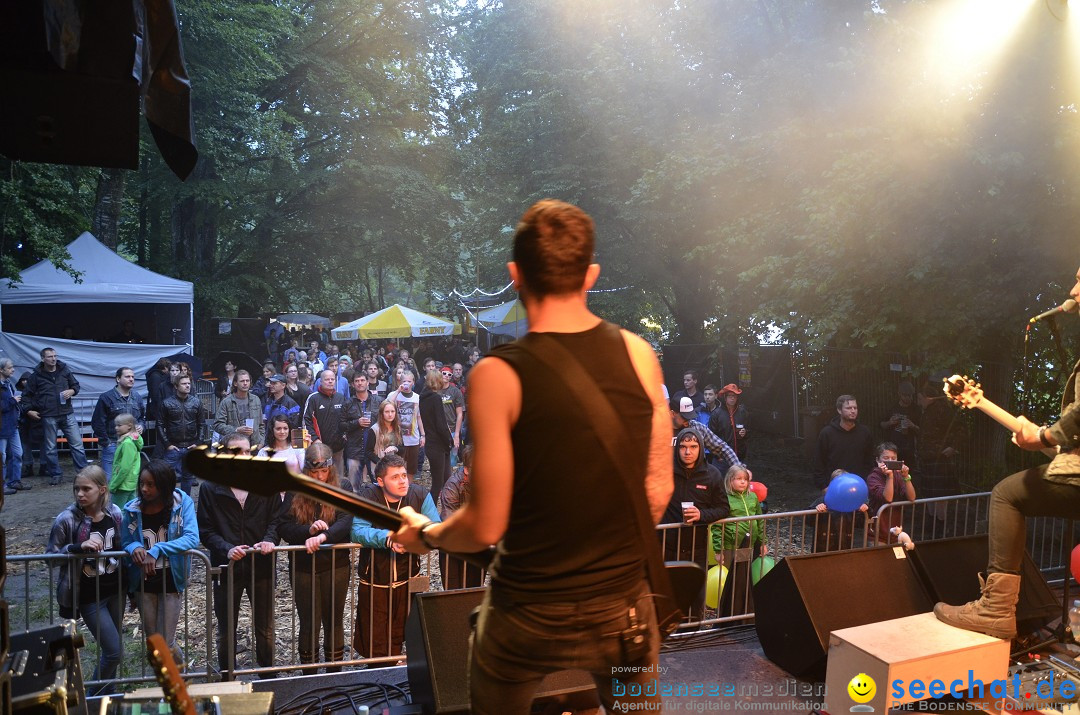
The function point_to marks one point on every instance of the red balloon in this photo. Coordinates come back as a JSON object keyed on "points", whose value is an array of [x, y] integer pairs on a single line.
{"points": [[762, 492], [1074, 562]]}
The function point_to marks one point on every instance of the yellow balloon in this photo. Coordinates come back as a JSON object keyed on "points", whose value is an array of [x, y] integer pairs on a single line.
{"points": [[714, 585]]}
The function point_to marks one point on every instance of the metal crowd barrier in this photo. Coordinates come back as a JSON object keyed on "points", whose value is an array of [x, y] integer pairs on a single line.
{"points": [[785, 534], [30, 590]]}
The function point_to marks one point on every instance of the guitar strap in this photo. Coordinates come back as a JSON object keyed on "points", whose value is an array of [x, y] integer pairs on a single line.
{"points": [[598, 409]]}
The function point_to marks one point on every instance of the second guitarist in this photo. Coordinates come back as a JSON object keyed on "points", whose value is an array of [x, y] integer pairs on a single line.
{"points": [[1049, 490]]}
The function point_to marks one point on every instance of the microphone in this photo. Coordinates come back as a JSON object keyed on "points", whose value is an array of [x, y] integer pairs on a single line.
{"points": [[1069, 306]]}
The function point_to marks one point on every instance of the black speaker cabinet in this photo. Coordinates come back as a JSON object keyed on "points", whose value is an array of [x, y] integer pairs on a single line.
{"points": [[949, 568], [804, 598], [437, 643], [49, 677]]}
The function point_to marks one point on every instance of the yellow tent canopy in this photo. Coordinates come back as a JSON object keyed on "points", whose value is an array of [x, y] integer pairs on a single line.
{"points": [[397, 321]]}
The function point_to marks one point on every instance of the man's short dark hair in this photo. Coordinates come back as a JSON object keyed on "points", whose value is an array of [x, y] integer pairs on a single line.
{"points": [[390, 460], [691, 372], [120, 371], [235, 438], [844, 398], [710, 386], [553, 247], [46, 350]]}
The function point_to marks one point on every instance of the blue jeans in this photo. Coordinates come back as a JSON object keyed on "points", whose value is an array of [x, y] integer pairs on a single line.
{"points": [[11, 449], [70, 429], [516, 644], [102, 619], [108, 452], [184, 478]]}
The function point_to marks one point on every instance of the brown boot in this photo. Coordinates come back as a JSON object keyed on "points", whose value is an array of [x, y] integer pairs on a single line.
{"points": [[993, 614]]}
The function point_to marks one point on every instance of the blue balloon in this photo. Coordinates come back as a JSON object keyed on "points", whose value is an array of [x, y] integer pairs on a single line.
{"points": [[846, 492]]}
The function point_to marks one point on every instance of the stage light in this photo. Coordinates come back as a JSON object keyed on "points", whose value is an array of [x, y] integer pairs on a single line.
{"points": [[970, 39]]}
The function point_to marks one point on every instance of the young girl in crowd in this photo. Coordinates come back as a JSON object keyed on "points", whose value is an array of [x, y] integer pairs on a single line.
{"points": [[127, 461], [385, 435], [279, 441], [158, 528], [738, 543], [90, 587], [320, 578]]}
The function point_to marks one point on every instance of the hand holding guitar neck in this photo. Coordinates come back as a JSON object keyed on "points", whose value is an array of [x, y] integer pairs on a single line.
{"points": [[967, 393]]}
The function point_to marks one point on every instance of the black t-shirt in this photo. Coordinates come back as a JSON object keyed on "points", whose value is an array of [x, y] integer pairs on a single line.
{"points": [[155, 531], [99, 578]]}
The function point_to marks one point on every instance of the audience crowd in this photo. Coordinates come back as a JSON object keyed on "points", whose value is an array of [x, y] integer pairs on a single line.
{"points": [[366, 418]]}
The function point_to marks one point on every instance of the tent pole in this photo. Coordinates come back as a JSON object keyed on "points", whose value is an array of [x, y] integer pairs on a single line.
{"points": [[191, 327]]}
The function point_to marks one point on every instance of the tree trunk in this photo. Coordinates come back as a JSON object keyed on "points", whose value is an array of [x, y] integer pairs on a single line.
{"points": [[107, 206]]}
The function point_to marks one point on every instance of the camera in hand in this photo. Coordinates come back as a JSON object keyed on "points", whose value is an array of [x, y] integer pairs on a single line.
{"points": [[893, 465]]}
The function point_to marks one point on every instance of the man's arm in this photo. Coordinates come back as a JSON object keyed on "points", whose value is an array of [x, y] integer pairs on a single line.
{"points": [[97, 422], [717, 445], [221, 423], [659, 480], [483, 520]]}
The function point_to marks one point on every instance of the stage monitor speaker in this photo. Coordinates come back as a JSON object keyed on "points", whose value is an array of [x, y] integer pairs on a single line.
{"points": [[804, 598], [437, 643], [949, 568]]}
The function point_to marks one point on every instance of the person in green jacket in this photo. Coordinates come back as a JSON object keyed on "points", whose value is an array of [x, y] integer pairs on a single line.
{"points": [[737, 543], [128, 460]]}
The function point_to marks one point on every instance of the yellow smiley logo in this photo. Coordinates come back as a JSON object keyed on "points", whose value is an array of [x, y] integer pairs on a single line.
{"points": [[862, 688]]}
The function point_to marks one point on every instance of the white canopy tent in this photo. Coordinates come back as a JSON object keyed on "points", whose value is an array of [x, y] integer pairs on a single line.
{"points": [[507, 318], [111, 290]]}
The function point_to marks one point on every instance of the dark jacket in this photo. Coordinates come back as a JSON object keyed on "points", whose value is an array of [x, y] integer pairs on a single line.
{"points": [[329, 412], [9, 410], [158, 388], [285, 406], [296, 534], [70, 529], [42, 392], [180, 423], [355, 435], [837, 448], [109, 405], [702, 484], [299, 395], [723, 422], [437, 434], [223, 524]]}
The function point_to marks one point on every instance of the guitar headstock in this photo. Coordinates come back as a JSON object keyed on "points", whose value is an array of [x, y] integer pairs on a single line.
{"points": [[168, 675], [266, 476], [964, 391]]}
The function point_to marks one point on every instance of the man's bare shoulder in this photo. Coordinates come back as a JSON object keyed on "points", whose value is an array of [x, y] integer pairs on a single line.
{"points": [[493, 382], [641, 352]]}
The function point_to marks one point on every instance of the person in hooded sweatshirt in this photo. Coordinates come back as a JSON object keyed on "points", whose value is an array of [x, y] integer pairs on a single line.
{"points": [[700, 486], [843, 444]]}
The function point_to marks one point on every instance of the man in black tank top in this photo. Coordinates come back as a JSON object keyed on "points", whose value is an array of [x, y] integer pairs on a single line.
{"points": [[568, 580]]}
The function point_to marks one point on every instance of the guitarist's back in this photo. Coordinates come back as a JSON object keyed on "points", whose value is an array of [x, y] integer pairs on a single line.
{"points": [[572, 532]]}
